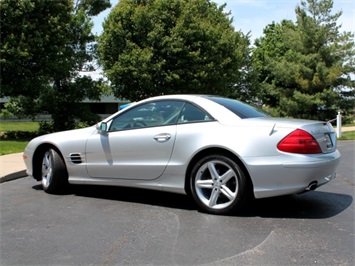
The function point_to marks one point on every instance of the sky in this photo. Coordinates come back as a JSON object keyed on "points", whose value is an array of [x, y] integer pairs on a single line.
{"points": [[254, 15]]}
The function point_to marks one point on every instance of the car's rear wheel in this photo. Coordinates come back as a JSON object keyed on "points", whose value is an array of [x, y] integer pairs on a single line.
{"points": [[54, 176], [218, 185]]}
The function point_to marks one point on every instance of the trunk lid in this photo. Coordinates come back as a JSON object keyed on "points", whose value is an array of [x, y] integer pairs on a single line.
{"points": [[324, 133]]}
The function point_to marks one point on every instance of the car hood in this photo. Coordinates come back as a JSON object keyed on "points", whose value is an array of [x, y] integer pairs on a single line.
{"points": [[62, 136]]}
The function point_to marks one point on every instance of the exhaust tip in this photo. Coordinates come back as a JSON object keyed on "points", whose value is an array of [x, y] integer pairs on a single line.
{"points": [[312, 186]]}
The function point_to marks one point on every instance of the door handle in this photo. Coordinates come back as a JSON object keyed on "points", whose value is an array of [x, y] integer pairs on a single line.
{"points": [[162, 137]]}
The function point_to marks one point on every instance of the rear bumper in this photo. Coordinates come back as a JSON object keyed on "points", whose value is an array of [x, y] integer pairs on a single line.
{"points": [[290, 174]]}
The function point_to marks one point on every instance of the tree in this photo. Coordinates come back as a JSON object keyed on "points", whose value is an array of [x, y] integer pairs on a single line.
{"points": [[153, 47], [44, 46], [305, 67]]}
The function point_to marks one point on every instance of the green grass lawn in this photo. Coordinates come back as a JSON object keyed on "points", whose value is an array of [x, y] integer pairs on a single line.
{"points": [[19, 126], [350, 135], [12, 146], [15, 146]]}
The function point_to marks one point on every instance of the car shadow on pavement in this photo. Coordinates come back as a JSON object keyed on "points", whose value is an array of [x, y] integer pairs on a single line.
{"points": [[134, 195], [310, 205]]}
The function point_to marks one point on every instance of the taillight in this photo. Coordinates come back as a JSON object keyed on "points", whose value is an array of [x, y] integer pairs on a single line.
{"points": [[299, 141]]}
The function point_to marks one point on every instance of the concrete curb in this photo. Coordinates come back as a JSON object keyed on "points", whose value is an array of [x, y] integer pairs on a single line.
{"points": [[12, 166], [13, 176]]}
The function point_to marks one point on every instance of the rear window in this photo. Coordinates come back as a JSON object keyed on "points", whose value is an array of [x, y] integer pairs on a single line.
{"points": [[242, 110]]}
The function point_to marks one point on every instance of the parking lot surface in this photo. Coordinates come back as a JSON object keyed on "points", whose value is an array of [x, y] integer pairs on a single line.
{"points": [[93, 225]]}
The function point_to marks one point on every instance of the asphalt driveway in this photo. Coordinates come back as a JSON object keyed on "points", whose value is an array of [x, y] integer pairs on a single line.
{"points": [[118, 226]]}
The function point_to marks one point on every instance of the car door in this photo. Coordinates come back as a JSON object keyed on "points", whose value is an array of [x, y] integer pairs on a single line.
{"points": [[138, 143]]}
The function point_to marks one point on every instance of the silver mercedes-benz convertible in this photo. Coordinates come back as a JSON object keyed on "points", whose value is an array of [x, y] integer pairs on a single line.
{"points": [[219, 150]]}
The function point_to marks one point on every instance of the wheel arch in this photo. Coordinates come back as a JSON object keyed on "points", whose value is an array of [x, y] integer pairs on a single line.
{"points": [[219, 151], [37, 158]]}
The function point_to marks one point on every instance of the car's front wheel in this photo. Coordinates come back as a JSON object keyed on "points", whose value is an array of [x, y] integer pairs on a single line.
{"points": [[54, 176], [218, 185]]}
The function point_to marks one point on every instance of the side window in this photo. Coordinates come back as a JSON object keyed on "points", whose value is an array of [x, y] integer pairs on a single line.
{"points": [[150, 114], [191, 113]]}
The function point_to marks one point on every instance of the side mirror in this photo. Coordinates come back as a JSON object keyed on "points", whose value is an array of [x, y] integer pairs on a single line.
{"points": [[102, 127]]}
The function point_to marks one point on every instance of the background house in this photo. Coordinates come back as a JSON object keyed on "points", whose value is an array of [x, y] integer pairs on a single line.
{"points": [[105, 107]]}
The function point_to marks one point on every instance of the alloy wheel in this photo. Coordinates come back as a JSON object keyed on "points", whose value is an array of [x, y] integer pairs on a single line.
{"points": [[47, 169], [216, 184]]}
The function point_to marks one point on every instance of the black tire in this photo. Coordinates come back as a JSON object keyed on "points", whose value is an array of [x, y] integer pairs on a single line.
{"points": [[218, 185], [54, 175]]}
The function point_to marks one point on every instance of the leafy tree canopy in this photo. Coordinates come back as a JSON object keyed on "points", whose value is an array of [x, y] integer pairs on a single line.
{"points": [[305, 67], [44, 46], [153, 47]]}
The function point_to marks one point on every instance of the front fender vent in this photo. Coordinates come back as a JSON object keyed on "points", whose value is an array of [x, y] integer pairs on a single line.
{"points": [[75, 158]]}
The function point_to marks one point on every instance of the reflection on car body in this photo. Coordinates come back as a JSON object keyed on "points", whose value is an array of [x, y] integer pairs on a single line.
{"points": [[219, 150]]}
